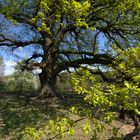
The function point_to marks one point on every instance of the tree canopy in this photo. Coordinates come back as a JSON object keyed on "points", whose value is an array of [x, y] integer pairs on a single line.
{"points": [[98, 36]]}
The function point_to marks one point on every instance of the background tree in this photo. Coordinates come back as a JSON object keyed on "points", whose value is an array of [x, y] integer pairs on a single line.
{"points": [[67, 33], [24, 81], [1, 70]]}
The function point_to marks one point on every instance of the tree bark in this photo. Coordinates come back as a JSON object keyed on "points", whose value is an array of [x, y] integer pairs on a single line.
{"points": [[47, 85]]}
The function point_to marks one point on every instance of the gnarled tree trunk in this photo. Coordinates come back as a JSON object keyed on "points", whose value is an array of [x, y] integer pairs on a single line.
{"points": [[47, 83], [50, 58]]}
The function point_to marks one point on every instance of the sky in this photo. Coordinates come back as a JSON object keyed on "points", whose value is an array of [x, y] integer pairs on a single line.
{"points": [[9, 61], [9, 67], [18, 32], [11, 58]]}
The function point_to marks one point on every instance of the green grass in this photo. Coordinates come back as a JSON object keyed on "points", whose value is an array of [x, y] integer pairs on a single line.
{"points": [[17, 113]]}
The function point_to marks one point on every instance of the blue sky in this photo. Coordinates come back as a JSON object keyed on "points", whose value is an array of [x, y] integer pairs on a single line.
{"points": [[14, 31], [11, 58], [18, 31]]}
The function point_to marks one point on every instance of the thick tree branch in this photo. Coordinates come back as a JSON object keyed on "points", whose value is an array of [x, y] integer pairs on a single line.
{"points": [[76, 52], [86, 53], [16, 44], [97, 59], [31, 65]]}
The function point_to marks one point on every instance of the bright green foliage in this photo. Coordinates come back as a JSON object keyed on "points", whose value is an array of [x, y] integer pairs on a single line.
{"points": [[10, 7], [131, 61], [94, 92], [105, 96], [129, 65], [87, 128], [59, 127], [76, 11], [33, 133]]}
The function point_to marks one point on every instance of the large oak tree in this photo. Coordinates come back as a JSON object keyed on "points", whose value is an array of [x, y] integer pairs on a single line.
{"points": [[70, 33]]}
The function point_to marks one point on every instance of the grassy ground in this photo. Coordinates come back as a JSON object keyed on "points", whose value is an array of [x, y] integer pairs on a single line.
{"points": [[18, 112]]}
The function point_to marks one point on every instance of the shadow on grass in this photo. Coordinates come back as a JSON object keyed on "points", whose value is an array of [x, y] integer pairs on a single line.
{"points": [[17, 113]]}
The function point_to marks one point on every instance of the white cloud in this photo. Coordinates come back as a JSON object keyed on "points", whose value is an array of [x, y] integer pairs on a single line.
{"points": [[9, 67], [37, 71]]}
